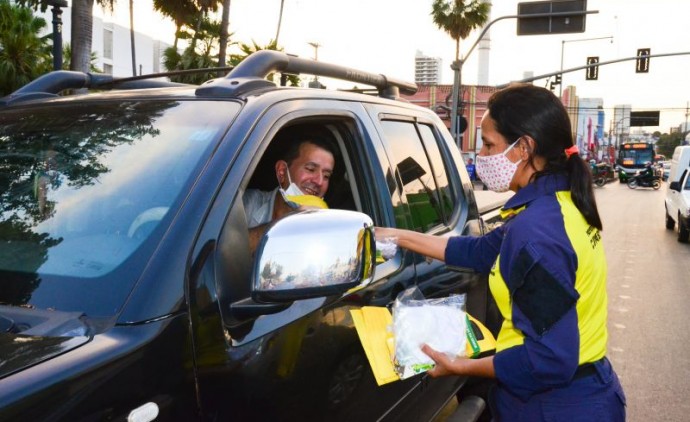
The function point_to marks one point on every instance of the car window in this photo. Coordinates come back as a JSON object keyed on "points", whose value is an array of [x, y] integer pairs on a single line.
{"points": [[446, 196], [427, 203], [235, 262]]}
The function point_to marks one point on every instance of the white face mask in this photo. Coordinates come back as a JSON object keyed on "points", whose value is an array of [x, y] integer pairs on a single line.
{"points": [[292, 189], [291, 192], [497, 171]]}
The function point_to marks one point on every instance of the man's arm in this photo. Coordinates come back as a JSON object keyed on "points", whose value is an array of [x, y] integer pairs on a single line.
{"points": [[255, 235], [280, 210]]}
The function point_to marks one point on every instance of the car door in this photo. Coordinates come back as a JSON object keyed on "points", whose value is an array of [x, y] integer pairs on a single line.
{"points": [[434, 201], [304, 361]]}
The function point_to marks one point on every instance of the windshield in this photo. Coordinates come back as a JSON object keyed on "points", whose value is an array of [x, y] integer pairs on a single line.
{"points": [[636, 156], [86, 191]]}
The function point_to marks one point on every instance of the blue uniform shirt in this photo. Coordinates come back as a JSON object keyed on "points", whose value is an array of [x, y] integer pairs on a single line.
{"points": [[547, 273]]}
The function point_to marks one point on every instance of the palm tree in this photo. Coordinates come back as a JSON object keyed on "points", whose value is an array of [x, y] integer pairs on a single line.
{"points": [[24, 54], [182, 12], [67, 54], [131, 37], [459, 18], [81, 36], [247, 50], [203, 7], [224, 36], [280, 20], [82, 31]]}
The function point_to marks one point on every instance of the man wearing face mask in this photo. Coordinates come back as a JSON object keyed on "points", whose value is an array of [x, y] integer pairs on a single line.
{"points": [[303, 173]]}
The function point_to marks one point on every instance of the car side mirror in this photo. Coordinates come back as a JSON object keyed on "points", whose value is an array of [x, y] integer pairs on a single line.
{"points": [[314, 253], [675, 186]]}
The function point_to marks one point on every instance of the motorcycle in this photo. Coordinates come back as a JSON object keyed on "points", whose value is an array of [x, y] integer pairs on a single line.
{"points": [[602, 173], [644, 181]]}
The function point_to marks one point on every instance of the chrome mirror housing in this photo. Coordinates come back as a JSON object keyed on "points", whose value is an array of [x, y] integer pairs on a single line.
{"points": [[314, 253]]}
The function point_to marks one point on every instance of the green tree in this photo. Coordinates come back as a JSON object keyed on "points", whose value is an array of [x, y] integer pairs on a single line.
{"points": [[182, 12], [67, 54], [668, 142], [198, 55], [247, 50], [459, 18], [81, 36], [224, 35], [24, 54]]}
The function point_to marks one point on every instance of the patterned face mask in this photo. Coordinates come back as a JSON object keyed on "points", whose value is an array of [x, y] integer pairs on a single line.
{"points": [[497, 171]]}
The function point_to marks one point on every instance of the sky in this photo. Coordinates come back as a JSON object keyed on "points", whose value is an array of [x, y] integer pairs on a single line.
{"points": [[383, 36]]}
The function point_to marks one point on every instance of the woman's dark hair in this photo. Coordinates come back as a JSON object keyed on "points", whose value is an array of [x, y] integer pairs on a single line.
{"points": [[524, 109]]}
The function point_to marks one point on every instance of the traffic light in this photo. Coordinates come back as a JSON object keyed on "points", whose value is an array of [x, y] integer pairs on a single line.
{"points": [[556, 81], [593, 71], [642, 64]]}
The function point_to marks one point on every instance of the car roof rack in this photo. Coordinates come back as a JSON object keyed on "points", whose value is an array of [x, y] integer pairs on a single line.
{"points": [[250, 74], [246, 77], [53, 83]]}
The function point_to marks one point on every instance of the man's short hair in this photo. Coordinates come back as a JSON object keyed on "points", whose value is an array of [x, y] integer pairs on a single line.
{"points": [[291, 139]]}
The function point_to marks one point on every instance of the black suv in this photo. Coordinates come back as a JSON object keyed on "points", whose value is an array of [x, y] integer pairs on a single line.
{"points": [[129, 291]]}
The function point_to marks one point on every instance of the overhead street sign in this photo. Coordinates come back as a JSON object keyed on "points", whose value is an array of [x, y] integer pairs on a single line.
{"points": [[644, 118], [561, 24]]}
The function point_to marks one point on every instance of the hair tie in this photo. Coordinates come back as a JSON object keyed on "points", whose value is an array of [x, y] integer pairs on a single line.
{"points": [[570, 151]]}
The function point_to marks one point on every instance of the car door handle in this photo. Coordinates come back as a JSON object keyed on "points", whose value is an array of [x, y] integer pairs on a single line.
{"points": [[248, 308]]}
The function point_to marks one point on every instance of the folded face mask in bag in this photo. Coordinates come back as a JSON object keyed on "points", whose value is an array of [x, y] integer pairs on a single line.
{"points": [[440, 323]]}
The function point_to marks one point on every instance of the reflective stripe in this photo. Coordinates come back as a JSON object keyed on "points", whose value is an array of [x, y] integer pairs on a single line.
{"points": [[590, 280]]}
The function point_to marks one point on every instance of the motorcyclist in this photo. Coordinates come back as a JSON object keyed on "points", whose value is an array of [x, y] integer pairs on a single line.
{"points": [[648, 172], [593, 167]]}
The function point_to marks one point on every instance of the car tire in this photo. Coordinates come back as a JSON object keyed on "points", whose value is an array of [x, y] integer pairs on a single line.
{"points": [[670, 224], [683, 231]]}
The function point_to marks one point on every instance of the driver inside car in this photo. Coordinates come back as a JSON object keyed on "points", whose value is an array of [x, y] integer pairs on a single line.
{"points": [[303, 173]]}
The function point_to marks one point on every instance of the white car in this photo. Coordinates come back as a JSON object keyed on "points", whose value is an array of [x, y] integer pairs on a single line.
{"points": [[678, 206]]}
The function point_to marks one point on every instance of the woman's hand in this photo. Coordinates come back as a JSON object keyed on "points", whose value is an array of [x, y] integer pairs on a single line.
{"points": [[444, 364], [382, 233], [422, 243], [459, 365]]}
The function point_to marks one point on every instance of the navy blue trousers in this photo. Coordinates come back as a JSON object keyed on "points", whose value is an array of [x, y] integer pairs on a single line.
{"points": [[594, 398]]}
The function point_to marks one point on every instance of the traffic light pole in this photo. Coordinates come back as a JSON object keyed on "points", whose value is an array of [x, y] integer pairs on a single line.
{"points": [[560, 86], [456, 66], [575, 69]]}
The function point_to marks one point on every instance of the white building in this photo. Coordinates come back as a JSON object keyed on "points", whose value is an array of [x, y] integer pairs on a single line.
{"points": [[427, 70], [112, 46]]}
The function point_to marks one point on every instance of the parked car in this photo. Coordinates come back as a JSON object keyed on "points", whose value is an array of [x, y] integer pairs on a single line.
{"points": [[677, 205], [129, 289]]}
